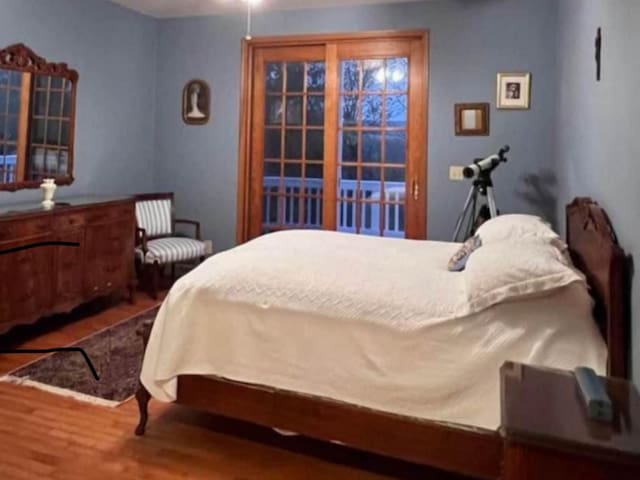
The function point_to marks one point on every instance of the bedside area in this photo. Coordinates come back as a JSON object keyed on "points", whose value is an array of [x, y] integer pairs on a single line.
{"points": [[547, 434]]}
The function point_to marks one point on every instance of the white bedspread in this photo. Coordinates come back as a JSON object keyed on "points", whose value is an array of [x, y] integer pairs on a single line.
{"points": [[371, 321]]}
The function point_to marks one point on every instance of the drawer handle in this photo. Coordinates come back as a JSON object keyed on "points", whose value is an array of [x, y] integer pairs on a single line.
{"points": [[109, 284]]}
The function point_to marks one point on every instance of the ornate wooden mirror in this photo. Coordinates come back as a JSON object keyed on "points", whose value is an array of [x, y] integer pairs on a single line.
{"points": [[37, 119]]}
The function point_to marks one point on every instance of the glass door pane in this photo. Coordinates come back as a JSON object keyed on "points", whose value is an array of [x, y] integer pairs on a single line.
{"points": [[293, 157], [372, 146]]}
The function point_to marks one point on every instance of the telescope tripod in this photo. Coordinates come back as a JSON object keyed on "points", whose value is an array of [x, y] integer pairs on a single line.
{"points": [[482, 187]]}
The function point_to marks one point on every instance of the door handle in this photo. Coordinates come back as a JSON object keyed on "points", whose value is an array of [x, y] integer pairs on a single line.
{"points": [[416, 189]]}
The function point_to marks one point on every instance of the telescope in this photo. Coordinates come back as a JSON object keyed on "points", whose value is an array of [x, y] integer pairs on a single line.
{"points": [[480, 170], [487, 164]]}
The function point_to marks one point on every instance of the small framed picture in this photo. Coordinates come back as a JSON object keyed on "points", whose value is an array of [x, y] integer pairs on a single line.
{"points": [[196, 102], [514, 91], [472, 119]]}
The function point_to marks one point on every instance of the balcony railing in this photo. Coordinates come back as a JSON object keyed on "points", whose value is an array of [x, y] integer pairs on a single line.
{"points": [[288, 204], [8, 168]]}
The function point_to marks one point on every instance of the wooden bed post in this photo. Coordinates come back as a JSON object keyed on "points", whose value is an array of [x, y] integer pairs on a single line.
{"points": [[142, 395]]}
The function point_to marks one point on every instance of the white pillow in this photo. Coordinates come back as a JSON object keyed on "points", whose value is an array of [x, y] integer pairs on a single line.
{"points": [[515, 227], [499, 272]]}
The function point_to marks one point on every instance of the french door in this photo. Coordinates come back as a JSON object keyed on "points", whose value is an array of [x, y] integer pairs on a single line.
{"points": [[335, 137]]}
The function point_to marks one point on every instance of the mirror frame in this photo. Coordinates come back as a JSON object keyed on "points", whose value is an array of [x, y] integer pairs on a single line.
{"points": [[458, 112], [19, 57]]}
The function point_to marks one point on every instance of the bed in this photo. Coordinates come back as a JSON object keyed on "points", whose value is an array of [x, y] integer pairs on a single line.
{"points": [[373, 343]]}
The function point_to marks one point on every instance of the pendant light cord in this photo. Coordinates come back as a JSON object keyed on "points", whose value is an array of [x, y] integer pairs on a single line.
{"points": [[248, 36]]}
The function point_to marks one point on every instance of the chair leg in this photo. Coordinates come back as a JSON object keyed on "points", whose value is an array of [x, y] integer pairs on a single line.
{"points": [[139, 268], [134, 281], [132, 291], [155, 274]]}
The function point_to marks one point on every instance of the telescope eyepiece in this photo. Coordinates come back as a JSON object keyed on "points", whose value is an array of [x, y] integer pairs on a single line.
{"points": [[504, 150]]}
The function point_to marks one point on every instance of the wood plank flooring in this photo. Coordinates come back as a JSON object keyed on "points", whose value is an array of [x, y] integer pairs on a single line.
{"points": [[45, 436]]}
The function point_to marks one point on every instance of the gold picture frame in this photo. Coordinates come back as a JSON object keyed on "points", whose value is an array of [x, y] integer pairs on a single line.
{"points": [[514, 91]]}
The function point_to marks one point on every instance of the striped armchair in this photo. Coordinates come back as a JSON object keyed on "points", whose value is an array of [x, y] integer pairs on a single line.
{"points": [[156, 241]]}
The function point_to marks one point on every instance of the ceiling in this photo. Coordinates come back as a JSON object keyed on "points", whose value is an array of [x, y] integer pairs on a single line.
{"points": [[184, 8]]}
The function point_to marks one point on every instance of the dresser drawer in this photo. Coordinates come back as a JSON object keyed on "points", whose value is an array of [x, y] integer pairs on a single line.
{"points": [[114, 274], [69, 221], [109, 214], [6, 231], [29, 290], [12, 230], [106, 276]]}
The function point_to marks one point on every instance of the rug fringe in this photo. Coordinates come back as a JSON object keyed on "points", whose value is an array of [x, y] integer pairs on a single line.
{"points": [[82, 397]]}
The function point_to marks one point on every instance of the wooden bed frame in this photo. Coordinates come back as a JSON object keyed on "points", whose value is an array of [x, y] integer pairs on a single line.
{"points": [[455, 448]]}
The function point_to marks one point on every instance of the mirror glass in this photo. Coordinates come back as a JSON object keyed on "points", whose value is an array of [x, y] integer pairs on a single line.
{"points": [[50, 121], [472, 119], [10, 111], [37, 120]]}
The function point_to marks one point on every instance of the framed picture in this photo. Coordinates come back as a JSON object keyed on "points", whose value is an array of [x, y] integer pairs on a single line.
{"points": [[514, 91], [196, 102], [472, 119]]}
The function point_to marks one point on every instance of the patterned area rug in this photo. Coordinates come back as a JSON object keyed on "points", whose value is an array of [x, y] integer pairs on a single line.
{"points": [[116, 352]]}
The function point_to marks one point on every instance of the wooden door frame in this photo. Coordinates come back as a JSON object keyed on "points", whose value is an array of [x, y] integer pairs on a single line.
{"points": [[420, 38]]}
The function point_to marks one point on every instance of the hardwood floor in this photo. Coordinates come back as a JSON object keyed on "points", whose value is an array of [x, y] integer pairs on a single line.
{"points": [[45, 436]]}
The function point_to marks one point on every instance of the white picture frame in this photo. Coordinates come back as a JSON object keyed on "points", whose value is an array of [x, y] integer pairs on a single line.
{"points": [[514, 91]]}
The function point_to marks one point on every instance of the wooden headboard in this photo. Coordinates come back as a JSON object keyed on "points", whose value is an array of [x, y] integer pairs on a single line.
{"points": [[595, 251]]}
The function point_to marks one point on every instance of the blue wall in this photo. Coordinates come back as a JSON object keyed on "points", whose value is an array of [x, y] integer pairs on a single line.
{"points": [[598, 141], [114, 51], [470, 42], [130, 136]]}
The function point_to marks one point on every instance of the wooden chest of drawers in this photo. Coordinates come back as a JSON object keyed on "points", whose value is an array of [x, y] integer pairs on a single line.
{"points": [[48, 279]]}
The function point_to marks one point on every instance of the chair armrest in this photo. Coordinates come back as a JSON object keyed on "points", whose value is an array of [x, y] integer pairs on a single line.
{"points": [[141, 238], [190, 222]]}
